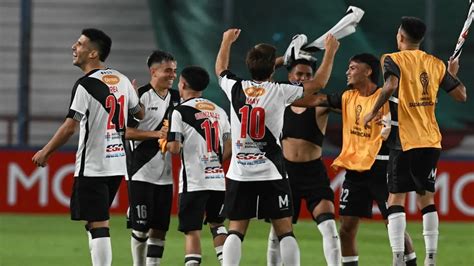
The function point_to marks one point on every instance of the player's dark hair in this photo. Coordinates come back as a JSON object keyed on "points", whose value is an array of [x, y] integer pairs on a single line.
{"points": [[196, 77], [260, 61], [296, 62], [372, 61], [100, 40], [158, 57], [414, 27]]}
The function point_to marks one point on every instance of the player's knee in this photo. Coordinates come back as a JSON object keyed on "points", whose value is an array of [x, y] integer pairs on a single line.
{"points": [[219, 230], [140, 236], [289, 234], [236, 233], [324, 217]]}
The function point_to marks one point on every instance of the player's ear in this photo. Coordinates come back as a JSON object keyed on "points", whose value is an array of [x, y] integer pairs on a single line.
{"points": [[93, 54]]}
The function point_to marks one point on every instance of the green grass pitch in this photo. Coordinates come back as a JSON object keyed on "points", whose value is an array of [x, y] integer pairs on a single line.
{"points": [[55, 240]]}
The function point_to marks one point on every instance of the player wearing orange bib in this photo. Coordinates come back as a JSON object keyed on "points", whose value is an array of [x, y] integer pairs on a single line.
{"points": [[412, 79]]}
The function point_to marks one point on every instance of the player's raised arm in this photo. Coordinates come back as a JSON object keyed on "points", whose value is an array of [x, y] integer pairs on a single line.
{"points": [[459, 91], [324, 71], [223, 56]]}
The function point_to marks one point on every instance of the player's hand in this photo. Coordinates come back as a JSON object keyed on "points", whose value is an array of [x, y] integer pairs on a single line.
{"points": [[369, 117], [378, 118], [453, 66], [231, 35], [40, 158], [163, 132], [331, 44], [162, 144]]}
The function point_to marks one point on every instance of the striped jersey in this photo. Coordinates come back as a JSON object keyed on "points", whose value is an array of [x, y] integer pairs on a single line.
{"points": [[256, 114], [202, 127], [101, 101], [148, 164]]}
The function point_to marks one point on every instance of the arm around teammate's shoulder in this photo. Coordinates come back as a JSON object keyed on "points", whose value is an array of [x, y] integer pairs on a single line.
{"points": [[324, 71]]}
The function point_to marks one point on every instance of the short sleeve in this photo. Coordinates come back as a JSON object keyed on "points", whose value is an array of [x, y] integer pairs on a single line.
{"points": [[335, 100], [390, 68], [227, 80], [80, 99], [449, 82], [176, 126], [291, 93]]}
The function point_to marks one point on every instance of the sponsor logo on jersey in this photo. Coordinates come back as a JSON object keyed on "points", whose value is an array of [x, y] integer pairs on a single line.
{"points": [[110, 79], [205, 106], [254, 91], [114, 150], [114, 147], [250, 158], [213, 172]]}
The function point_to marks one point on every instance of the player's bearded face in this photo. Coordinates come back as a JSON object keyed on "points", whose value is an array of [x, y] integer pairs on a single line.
{"points": [[300, 73], [165, 74]]}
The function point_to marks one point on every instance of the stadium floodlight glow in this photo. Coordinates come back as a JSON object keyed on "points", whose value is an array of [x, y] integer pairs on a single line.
{"points": [[464, 32], [345, 26]]}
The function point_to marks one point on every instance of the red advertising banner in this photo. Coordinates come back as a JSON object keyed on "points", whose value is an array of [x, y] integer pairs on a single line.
{"points": [[24, 188]]}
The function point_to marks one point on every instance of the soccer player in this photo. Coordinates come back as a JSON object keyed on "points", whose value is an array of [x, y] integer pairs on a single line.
{"points": [[257, 185], [412, 78], [364, 154], [100, 103], [151, 182], [302, 140], [200, 132]]}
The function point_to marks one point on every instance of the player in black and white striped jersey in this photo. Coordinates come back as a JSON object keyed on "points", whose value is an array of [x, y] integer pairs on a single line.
{"points": [[100, 103], [200, 132], [258, 185], [151, 182]]}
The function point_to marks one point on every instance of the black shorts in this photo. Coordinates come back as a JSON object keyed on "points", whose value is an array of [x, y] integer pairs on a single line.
{"points": [[308, 181], [262, 199], [92, 196], [194, 206], [361, 189], [412, 170], [150, 206]]}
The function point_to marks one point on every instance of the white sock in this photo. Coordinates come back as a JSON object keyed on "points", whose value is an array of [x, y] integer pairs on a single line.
{"points": [[430, 234], [219, 253], [192, 259], [331, 243], [396, 231], [232, 250], [410, 256], [155, 248], [290, 252], [101, 251], [273, 249], [138, 246]]}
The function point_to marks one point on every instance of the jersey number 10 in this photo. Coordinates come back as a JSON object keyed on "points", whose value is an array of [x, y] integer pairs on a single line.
{"points": [[256, 122]]}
